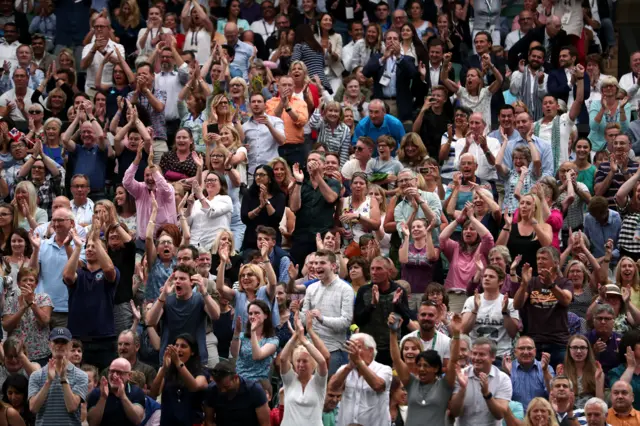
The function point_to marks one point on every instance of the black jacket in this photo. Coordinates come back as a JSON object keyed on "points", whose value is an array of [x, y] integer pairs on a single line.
{"points": [[405, 72], [520, 50]]}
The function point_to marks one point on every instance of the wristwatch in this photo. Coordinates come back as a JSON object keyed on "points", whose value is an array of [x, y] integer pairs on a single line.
{"points": [[488, 396], [63, 382], [288, 109]]}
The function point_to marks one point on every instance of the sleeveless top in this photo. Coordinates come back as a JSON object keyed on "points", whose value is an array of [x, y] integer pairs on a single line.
{"points": [[524, 245], [363, 210]]}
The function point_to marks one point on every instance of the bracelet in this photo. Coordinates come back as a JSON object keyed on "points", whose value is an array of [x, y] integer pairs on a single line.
{"points": [[506, 229], [235, 338], [506, 313]]}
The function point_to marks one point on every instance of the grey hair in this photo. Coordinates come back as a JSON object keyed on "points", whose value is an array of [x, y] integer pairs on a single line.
{"points": [[561, 377], [367, 340], [407, 170], [470, 155], [378, 102], [605, 307], [493, 348], [597, 401], [502, 251]]}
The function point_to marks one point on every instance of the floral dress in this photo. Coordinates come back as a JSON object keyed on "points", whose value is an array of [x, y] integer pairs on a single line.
{"points": [[510, 183], [36, 338], [364, 209]]}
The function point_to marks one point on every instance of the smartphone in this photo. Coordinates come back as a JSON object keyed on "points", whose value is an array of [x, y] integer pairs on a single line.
{"points": [[432, 99], [213, 128], [425, 170]]}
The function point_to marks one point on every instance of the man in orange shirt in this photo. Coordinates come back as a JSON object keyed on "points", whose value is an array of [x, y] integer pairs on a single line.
{"points": [[622, 413], [294, 114]]}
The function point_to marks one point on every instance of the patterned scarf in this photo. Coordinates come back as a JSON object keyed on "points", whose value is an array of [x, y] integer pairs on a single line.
{"points": [[555, 140], [531, 100]]}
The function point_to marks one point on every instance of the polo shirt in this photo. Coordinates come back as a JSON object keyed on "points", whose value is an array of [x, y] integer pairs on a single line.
{"points": [[240, 410], [616, 182], [315, 214], [52, 259], [184, 316], [54, 411], [113, 411], [614, 419], [91, 162], [608, 359], [528, 383], [476, 411], [390, 126], [91, 304]]}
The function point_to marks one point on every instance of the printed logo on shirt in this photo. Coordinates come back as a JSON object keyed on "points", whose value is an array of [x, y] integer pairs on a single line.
{"points": [[543, 298], [99, 276]]}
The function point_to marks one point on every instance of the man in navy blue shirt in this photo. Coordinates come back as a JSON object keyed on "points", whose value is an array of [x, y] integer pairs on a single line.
{"points": [[232, 400], [116, 401]]}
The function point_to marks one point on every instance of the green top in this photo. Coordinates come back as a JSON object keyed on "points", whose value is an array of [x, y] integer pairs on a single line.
{"points": [[587, 176]]}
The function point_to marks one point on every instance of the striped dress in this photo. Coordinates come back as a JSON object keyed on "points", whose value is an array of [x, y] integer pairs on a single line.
{"points": [[313, 60]]}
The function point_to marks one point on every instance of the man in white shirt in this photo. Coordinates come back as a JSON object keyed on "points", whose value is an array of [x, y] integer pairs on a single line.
{"points": [[25, 61], [356, 31], [173, 75], [45, 230], [266, 26], [629, 81], [365, 400], [544, 128], [483, 149], [330, 303], [263, 134], [482, 392], [93, 54], [529, 84], [81, 205], [526, 24], [431, 338], [16, 102], [10, 44]]}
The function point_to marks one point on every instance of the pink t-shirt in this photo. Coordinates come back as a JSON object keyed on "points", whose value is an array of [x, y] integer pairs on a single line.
{"points": [[465, 267]]}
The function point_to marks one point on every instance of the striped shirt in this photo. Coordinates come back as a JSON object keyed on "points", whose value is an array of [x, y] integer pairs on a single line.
{"points": [[54, 410], [627, 239], [616, 183], [313, 60], [337, 140]]}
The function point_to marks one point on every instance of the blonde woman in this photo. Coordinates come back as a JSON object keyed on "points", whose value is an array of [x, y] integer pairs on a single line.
{"points": [[219, 113], [539, 413], [152, 35], [107, 214], [528, 234], [127, 24], [412, 151], [359, 213], [378, 194], [234, 262], [232, 141], [256, 282], [627, 276], [282, 174], [365, 47], [238, 95], [28, 214]]}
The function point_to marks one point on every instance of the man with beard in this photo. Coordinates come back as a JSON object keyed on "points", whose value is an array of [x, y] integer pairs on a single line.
{"points": [[173, 75], [611, 176], [622, 413], [530, 378], [374, 303], [232, 400], [551, 37], [49, 258], [263, 135], [330, 303], [506, 118], [91, 296], [564, 83], [482, 392], [524, 125], [182, 310], [155, 189], [529, 83], [431, 338], [116, 401], [57, 390]]}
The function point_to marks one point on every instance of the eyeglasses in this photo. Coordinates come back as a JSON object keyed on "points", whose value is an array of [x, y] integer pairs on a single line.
{"points": [[37, 168], [579, 348], [359, 148], [260, 175], [118, 372], [235, 85], [164, 242], [603, 319], [59, 220], [217, 156], [34, 111]]}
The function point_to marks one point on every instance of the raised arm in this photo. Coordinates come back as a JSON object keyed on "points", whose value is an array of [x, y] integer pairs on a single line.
{"points": [[398, 364], [227, 292]]}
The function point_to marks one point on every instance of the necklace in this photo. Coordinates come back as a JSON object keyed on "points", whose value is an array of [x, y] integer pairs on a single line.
{"points": [[424, 395]]}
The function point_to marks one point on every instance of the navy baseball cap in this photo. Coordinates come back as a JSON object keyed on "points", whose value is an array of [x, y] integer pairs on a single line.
{"points": [[60, 333]]}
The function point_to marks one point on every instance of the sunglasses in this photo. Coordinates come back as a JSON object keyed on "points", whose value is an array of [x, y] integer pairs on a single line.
{"points": [[34, 111]]}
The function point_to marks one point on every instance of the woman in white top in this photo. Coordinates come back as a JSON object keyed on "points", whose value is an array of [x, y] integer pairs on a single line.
{"points": [[199, 30], [150, 36], [211, 214], [407, 45], [473, 95], [302, 404], [331, 42], [383, 238], [357, 213], [371, 43]]}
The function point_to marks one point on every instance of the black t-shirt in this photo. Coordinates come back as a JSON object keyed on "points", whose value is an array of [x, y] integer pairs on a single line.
{"points": [[431, 131], [124, 161], [241, 409], [125, 260], [315, 214], [113, 412], [547, 320]]}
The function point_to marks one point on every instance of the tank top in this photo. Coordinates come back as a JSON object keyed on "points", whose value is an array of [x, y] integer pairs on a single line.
{"points": [[363, 209], [524, 245]]}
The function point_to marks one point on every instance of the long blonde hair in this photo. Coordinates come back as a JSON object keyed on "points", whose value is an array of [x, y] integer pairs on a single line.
{"points": [[33, 201], [214, 106], [236, 143], [216, 244], [414, 139], [133, 19], [635, 283], [537, 213], [288, 176]]}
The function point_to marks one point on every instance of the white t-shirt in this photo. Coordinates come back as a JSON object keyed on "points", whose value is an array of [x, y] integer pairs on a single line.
{"points": [[303, 407], [440, 343], [566, 127], [485, 171], [480, 103], [490, 323], [107, 72], [350, 167]]}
